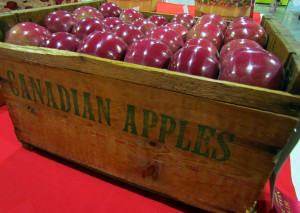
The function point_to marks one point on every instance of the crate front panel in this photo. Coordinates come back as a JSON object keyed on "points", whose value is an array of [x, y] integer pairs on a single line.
{"points": [[208, 154]]}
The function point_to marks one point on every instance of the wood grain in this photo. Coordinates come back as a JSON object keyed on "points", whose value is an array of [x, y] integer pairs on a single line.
{"points": [[294, 75]]}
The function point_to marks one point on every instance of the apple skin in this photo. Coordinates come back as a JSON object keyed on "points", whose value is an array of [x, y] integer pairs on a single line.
{"points": [[149, 52], [27, 33], [128, 33], [111, 22], [255, 67], [104, 45], [158, 20], [167, 36], [247, 30], [87, 26], [241, 19], [203, 42], [110, 9], [236, 44], [187, 20], [60, 21], [195, 60], [209, 31], [62, 41], [144, 25], [178, 28], [87, 12], [214, 19], [130, 15]]}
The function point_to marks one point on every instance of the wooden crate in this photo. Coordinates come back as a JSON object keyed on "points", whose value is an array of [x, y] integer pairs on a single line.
{"points": [[208, 143], [1, 99]]}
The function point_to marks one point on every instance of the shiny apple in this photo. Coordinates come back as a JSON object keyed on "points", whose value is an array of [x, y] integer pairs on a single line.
{"points": [[60, 21], [62, 41], [214, 19], [110, 9], [158, 20], [103, 44], [178, 28], [111, 22], [144, 25], [167, 36], [128, 33], [255, 67], [203, 42], [241, 19], [246, 30], [87, 12], [149, 52], [195, 60], [27, 33], [209, 31], [187, 20], [130, 15], [87, 26], [236, 44]]}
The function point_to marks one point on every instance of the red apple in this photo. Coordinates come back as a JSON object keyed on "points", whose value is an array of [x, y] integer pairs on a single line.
{"points": [[144, 25], [209, 31], [87, 12], [167, 36], [241, 19], [62, 41], [111, 22], [87, 26], [149, 52], [128, 33], [195, 60], [12, 5], [110, 9], [247, 30], [60, 21], [27, 33], [214, 19], [103, 44], [203, 42], [130, 15], [236, 44], [255, 66], [179, 28], [158, 20], [187, 20]]}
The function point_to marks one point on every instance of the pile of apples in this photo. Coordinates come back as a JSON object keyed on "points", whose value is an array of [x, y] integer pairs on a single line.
{"points": [[207, 47]]}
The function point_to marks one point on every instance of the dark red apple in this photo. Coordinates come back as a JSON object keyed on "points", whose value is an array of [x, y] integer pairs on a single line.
{"points": [[209, 31], [203, 42], [12, 5], [195, 60], [144, 25], [178, 28], [241, 19], [87, 26], [62, 41], [130, 15], [27, 33], [158, 20], [214, 19], [87, 12], [111, 22], [247, 30], [167, 36], [103, 44], [110, 9], [255, 67], [149, 52], [128, 33], [236, 44], [60, 21], [187, 20]]}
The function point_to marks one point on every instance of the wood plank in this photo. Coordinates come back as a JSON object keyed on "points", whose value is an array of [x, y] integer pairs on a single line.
{"points": [[233, 93], [187, 147], [294, 75], [2, 102]]}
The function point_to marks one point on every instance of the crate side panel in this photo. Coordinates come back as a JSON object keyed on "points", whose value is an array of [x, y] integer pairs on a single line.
{"points": [[7, 20], [189, 148], [294, 79]]}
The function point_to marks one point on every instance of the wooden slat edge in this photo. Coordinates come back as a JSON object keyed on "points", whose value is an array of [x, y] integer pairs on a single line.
{"points": [[233, 93], [294, 67]]}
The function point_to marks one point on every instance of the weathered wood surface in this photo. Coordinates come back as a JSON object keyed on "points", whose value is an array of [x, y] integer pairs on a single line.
{"points": [[189, 148], [1, 98], [294, 78]]}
